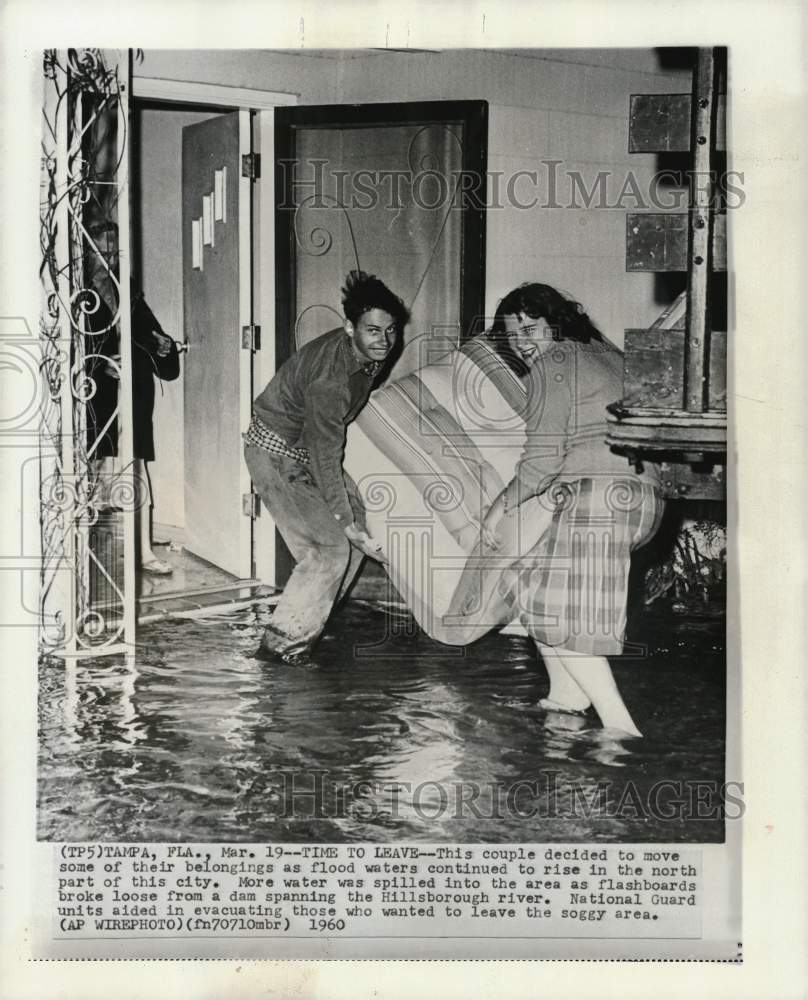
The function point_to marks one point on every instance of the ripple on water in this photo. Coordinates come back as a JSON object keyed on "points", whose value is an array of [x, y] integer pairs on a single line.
{"points": [[201, 741]]}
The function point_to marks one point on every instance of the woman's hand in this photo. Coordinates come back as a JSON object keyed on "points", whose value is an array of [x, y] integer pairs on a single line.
{"points": [[163, 348], [491, 522]]}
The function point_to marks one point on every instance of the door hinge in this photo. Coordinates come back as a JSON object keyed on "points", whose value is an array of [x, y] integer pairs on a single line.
{"points": [[251, 166], [251, 337], [250, 505]]}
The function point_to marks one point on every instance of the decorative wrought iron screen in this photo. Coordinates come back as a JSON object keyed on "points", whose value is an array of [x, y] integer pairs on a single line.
{"points": [[86, 510]]}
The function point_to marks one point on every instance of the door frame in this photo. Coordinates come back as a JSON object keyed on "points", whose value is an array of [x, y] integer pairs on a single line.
{"points": [[474, 117], [263, 103]]}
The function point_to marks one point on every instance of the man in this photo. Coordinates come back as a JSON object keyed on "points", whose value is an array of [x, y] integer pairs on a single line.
{"points": [[294, 450]]}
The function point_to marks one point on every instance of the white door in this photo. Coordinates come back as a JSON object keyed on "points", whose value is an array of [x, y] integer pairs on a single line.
{"points": [[217, 306]]}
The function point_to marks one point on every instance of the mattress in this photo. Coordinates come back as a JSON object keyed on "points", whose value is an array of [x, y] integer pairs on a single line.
{"points": [[429, 453]]}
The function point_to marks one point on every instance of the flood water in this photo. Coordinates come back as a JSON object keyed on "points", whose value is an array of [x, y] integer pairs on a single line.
{"points": [[390, 736]]}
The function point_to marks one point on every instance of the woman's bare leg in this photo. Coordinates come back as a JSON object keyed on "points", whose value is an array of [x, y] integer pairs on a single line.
{"points": [[144, 533], [565, 693], [147, 560], [594, 677]]}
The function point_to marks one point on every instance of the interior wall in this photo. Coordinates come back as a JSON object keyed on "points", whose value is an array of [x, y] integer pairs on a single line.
{"points": [[570, 106], [565, 105], [157, 232], [311, 76]]}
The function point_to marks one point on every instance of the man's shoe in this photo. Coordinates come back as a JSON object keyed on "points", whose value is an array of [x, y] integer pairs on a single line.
{"points": [[266, 655], [298, 658], [291, 657]]}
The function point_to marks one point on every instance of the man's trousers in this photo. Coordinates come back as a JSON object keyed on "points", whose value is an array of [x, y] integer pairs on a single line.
{"points": [[326, 562]]}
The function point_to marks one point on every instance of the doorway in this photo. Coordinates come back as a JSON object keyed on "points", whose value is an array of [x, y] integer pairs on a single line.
{"points": [[158, 241], [198, 477], [451, 135], [397, 190]]}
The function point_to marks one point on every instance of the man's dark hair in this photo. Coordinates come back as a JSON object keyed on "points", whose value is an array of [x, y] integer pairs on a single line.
{"points": [[363, 292]]}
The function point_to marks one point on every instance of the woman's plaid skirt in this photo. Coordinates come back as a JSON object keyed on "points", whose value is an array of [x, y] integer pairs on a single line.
{"points": [[571, 589]]}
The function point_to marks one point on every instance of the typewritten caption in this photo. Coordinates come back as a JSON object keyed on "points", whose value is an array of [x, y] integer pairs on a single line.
{"points": [[269, 890]]}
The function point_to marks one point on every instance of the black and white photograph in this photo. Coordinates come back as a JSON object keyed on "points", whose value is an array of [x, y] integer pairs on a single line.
{"points": [[394, 506], [402, 478]]}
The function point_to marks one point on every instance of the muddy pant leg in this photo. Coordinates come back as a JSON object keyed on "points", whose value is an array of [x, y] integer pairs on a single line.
{"points": [[356, 557], [308, 598], [314, 538]]}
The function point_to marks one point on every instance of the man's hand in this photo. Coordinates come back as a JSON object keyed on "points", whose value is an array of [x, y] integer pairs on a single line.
{"points": [[362, 540]]}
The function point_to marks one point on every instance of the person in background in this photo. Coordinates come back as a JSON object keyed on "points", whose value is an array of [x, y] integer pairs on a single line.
{"points": [[570, 590], [154, 354], [294, 450]]}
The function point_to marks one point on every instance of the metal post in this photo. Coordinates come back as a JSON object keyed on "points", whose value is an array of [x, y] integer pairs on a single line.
{"points": [[65, 341], [82, 469], [700, 232], [125, 443], [65, 463]]}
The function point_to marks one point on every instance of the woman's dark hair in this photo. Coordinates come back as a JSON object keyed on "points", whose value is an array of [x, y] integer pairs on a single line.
{"points": [[363, 292], [565, 316]]}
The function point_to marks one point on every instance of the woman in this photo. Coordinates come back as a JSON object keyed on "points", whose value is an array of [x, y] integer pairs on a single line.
{"points": [[570, 590], [154, 354]]}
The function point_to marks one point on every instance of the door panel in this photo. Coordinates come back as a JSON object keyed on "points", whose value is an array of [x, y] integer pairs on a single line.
{"points": [[398, 189], [216, 298], [408, 235]]}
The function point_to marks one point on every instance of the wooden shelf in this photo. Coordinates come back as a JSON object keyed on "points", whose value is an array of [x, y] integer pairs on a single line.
{"points": [[673, 411], [656, 429]]}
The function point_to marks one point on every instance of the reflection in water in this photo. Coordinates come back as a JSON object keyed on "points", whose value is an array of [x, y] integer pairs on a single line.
{"points": [[198, 741]]}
